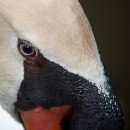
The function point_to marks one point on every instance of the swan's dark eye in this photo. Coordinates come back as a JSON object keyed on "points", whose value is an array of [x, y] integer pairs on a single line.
{"points": [[27, 49]]}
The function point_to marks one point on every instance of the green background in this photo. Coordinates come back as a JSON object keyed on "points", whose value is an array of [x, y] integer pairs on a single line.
{"points": [[110, 23]]}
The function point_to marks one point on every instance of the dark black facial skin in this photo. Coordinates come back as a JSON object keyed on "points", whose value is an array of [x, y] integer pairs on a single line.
{"points": [[48, 84]]}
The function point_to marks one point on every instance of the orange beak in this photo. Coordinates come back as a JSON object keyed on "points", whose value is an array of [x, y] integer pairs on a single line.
{"points": [[45, 119]]}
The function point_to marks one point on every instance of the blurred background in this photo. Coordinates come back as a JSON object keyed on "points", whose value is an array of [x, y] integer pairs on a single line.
{"points": [[110, 23]]}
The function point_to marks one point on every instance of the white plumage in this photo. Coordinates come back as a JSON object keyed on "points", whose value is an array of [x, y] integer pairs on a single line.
{"points": [[7, 122]]}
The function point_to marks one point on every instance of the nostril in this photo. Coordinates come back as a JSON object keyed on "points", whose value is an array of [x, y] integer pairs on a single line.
{"points": [[66, 121]]}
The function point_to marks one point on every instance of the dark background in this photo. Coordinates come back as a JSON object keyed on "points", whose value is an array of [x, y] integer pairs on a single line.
{"points": [[110, 23]]}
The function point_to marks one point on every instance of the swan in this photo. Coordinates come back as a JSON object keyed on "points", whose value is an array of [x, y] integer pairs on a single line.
{"points": [[51, 74]]}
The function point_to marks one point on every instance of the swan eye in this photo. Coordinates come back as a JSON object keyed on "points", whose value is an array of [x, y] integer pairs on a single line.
{"points": [[27, 49]]}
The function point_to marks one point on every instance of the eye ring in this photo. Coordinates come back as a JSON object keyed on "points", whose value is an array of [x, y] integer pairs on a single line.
{"points": [[26, 49]]}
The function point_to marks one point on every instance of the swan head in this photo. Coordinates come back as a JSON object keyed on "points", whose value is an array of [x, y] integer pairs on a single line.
{"points": [[49, 61]]}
